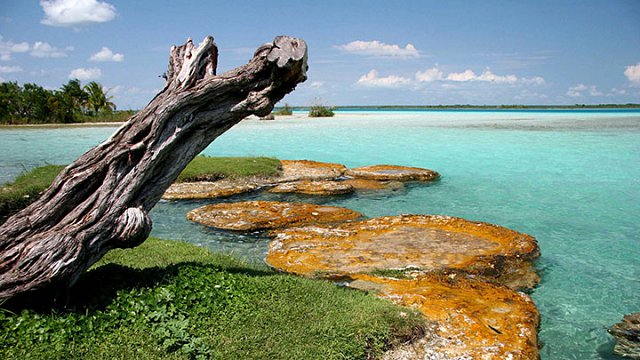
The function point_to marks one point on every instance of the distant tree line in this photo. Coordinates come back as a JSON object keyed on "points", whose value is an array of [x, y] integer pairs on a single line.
{"points": [[33, 104]]}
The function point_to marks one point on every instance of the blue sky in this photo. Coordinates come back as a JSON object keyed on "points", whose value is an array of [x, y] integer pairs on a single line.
{"points": [[360, 52]]}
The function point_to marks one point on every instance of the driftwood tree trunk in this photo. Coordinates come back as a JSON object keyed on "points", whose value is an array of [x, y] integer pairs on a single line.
{"points": [[102, 200]]}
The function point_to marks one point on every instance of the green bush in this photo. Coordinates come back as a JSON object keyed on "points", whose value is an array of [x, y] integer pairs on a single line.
{"points": [[167, 299], [320, 111], [285, 110], [26, 189]]}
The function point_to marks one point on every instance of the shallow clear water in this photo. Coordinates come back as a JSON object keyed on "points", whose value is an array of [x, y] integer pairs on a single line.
{"points": [[571, 179]]}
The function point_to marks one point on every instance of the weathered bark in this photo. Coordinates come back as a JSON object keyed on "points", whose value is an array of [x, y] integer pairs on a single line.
{"points": [[102, 200]]}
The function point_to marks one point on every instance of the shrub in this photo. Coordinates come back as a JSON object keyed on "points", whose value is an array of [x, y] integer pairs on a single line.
{"points": [[285, 110], [320, 111]]}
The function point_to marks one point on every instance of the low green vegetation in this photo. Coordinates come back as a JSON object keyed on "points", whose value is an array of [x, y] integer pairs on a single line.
{"points": [[205, 168], [33, 104], [320, 111], [284, 110], [167, 299], [26, 189]]}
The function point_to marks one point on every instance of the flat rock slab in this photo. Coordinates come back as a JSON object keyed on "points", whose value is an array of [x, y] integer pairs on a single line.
{"points": [[262, 215], [418, 243], [393, 172], [474, 319], [627, 334], [314, 187], [373, 185], [208, 189], [295, 170]]}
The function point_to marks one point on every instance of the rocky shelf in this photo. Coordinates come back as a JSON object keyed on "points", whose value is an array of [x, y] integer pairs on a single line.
{"points": [[307, 177], [209, 189], [462, 275], [627, 334], [470, 319], [314, 187], [393, 172], [262, 215], [408, 245]]}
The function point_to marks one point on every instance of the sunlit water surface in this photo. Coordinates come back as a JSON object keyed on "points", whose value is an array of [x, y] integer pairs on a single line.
{"points": [[569, 178]]}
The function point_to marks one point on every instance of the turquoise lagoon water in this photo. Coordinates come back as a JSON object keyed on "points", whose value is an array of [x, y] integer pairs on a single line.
{"points": [[569, 178]]}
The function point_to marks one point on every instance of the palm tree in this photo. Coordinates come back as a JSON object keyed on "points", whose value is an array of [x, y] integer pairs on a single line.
{"points": [[75, 95], [98, 100]]}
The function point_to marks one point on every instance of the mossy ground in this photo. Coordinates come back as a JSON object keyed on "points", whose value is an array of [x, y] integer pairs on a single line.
{"points": [[214, 168], [167, 299], [28, 186], [26, 189]]}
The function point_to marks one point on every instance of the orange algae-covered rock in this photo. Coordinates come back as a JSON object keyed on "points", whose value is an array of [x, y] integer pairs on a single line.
{"points": [[475, 320], [393, 172], [260, 215], [294, 170], [314, 187], [421, 243], [364, 184], [208, 189]]}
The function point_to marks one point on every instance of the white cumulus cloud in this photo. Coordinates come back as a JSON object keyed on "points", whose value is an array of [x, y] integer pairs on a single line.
{"points": [[371, 79], [76, 12], [582, 89], [632, 72], [8, 47], [576, 91], [429, 75], [10, 69], [467, 75], [45, 50], [105, 54], [488, 76], [378, 48], [85, 74], [536, 80]]}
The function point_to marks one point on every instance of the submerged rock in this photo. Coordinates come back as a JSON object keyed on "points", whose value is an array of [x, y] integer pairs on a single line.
{"points": [[314, 187], [295, 170], [260, 215], [627, 334], [474, 319], [414, 244], [393, 172], [208, 189], [366, 185]]}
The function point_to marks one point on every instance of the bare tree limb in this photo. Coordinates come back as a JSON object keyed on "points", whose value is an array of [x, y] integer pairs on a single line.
{"points": [[102, 200]]}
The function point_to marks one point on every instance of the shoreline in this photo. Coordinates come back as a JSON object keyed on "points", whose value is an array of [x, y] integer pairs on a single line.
{"points": [[354, 112]]}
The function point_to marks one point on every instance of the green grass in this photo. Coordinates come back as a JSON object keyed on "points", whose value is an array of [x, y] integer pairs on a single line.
{"points": [[28, 186], [213, 168], [26, 189], [173, 300]]}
